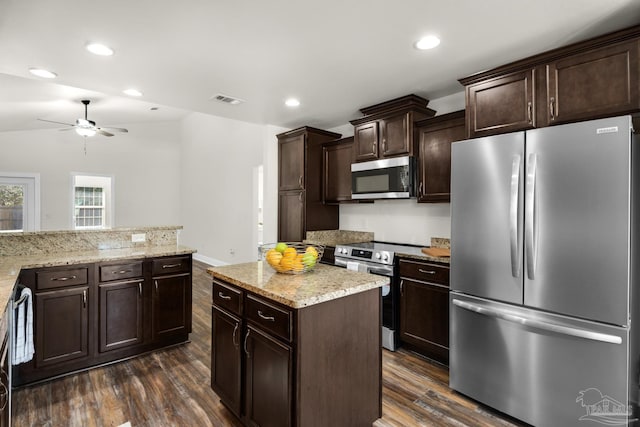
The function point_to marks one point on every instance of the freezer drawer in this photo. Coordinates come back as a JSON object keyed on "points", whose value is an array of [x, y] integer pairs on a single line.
{"points": [[544, 369]]}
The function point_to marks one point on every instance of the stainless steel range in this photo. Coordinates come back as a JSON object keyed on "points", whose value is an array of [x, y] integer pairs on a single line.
{"points": [[377, 258]]}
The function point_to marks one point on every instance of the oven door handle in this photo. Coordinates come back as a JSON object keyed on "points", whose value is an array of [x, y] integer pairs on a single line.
{"points": [[383, 270]]}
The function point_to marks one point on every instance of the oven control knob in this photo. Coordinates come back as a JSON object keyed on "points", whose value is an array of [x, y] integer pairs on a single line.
{"points": [[385, 257], [378, 256]]}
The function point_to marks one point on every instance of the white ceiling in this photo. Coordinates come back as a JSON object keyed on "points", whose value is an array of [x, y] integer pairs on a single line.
{"points": [[335, 56]]}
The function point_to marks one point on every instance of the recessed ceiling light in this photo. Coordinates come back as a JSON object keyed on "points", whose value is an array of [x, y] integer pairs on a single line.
{"points": [[292, 102], [428, 42], [99, 49], [40, 72], [132, 92]]}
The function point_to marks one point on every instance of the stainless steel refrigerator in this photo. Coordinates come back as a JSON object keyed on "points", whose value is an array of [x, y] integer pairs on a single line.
{"points": [[544, 273]]}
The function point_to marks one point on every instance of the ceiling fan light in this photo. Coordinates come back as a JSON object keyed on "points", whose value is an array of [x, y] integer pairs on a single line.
{"points": [[132, 92], [82, 131], [99, 49]]}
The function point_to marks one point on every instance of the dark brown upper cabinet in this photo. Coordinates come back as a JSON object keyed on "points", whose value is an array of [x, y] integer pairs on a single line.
{"points": [[386, 130], [300, 183], [435, 136], [338, 156], [503, 104], [592, 79]]}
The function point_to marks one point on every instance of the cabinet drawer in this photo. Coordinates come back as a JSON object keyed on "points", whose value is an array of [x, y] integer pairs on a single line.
{"points": [[49, 279], [227, 297], [120, 271], [424, 272], [268, 317], [171, 265]]}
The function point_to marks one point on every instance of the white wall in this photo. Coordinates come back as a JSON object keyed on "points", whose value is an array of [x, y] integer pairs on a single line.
{"points": [[218, 161], [402, 221], [143, 162]]}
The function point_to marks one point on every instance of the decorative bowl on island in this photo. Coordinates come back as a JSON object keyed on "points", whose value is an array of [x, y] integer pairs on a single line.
{"points": [[291, 257]]}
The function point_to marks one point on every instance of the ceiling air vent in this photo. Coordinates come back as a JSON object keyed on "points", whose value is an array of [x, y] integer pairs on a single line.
{"points": [[227, 99]]}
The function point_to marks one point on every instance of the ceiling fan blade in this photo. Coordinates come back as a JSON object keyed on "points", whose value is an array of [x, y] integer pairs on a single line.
{"points": [[60, 123], [69, 128], [103, 132], [110, 129]]}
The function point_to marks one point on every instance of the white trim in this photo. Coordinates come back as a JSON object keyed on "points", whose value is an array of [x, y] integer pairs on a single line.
{"points": [[33, 214], [207, 260], [110, 202]]}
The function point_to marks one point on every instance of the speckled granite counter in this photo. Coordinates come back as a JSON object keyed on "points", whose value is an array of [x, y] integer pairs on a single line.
{"points": [[324, 283], [417, 254], [337, 237], [10, 266]]}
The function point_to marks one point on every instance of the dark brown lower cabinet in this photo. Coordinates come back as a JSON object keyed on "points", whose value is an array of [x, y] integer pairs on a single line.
{"points": [[61, 325], [121, 314], [424, 309], [171, 310], [267, 381], [275, 366], [226, 366], [90, 314]]}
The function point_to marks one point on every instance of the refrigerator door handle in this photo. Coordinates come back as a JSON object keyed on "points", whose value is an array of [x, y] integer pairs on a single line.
{"points": [[513, 217], [539, 324], [530, 216]]}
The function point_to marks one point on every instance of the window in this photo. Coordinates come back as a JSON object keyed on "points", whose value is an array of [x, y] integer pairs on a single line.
{"points": [[92, 197], [19, 202]]}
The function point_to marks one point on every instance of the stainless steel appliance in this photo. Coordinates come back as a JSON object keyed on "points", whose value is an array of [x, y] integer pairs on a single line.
{"points": [[377, 258], [391, 178], [544, 279]]}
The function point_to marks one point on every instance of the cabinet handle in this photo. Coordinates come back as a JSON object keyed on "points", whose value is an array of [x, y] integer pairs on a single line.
{"points": [[171, 265], [530, 111], [223, 296], [384, 145], [84, 299], [245, 344], [235, 330], [401, 287], [156, 283], [4, 393], [300, 181], [300, 197], [122, 272], [373, 148], [140, 288], [552, 108], [63, 279], [426, 271], [263, 317], [420, 189]]}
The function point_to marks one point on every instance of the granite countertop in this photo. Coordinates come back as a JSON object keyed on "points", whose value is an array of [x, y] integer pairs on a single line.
{"points": [[417, 254], [10, 266], [323, 283]]}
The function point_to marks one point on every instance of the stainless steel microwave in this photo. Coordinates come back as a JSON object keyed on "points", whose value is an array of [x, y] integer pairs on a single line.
{"points": [[392, 178]]}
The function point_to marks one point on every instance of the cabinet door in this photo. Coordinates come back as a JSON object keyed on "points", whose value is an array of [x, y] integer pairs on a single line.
{"points": [[171, 306], [366, 141], [593, 85], [291, 220], [291, 163], [226, 358], [434, 161], [62, 326], [268, 384], [424, 318], [395, 136], [337, 171], [120, 314], [504, 104]]}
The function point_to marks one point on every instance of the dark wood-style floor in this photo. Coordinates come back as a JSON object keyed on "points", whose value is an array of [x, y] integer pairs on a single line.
{"points": [[172, 388]]}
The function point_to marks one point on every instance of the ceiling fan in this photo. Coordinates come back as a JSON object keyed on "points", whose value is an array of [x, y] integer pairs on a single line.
{"points": [[86, 127]]}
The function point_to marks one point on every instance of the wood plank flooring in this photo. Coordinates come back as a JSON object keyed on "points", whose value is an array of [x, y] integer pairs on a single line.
{"points": [[172, 388]]}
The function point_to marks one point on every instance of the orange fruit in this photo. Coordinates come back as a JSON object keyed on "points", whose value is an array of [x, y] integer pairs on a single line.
{"points": [[286, 264], [297, 265], [289, 253]]}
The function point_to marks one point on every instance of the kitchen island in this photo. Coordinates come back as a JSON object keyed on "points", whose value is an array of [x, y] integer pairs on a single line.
{"points": [[297, 350]]}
